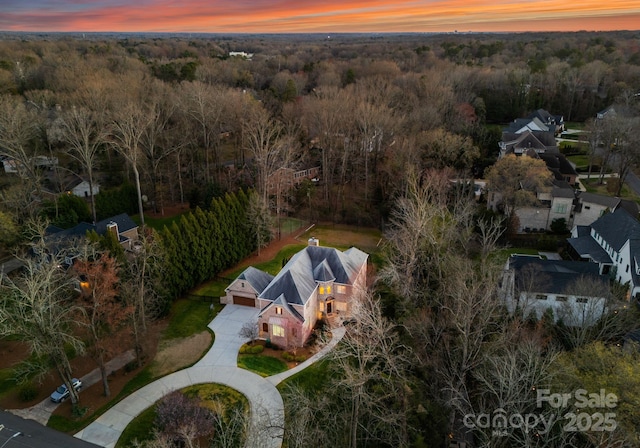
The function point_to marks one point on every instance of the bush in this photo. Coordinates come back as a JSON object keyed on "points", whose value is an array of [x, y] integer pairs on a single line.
{"points": [[27, 392], [288, 356], [244, 349], [255, 349], [300, 358], [268, 344]]}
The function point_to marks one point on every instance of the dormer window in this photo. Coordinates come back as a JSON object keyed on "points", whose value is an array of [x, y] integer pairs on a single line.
{"points": [[278, 310]]}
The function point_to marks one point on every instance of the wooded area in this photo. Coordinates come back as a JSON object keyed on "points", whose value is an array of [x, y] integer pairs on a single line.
{"points": [[355, 129]]}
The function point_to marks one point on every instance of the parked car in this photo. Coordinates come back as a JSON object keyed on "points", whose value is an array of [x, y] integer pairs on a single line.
{"points": [[62, 393]]}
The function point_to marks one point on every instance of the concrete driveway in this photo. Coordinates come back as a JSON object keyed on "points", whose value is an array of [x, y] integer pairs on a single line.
{"points": [[219, 365]]}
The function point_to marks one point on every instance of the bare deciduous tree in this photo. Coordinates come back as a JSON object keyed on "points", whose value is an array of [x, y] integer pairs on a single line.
{"points": [[36, 308], [85, 133], [128, 128]]}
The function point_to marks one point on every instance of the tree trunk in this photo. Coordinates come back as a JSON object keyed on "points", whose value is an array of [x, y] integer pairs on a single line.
{"points": [[104, 374], [138, 191]]}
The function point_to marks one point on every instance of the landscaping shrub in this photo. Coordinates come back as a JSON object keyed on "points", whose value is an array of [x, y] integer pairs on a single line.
{"points": [[300, 358], [28, 392], [288, 356], [243, 349], [255, 349]]}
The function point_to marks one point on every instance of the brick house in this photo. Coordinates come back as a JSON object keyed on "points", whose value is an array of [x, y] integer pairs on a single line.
{"points": [[317, 282]]}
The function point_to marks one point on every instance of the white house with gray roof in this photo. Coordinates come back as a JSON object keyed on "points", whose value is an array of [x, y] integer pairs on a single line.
{"points": [[316, 282], [613, 242], [574, 291]]}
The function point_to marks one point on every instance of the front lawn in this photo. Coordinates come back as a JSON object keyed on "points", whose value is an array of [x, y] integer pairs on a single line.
{"points": [[189, 317], [186, 319], [262, 365], [593, 186]]}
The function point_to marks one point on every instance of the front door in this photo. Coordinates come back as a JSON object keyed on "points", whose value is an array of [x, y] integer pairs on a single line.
{"points": [[330, 307]]}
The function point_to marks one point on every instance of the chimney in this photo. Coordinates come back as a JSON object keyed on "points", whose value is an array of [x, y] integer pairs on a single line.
{"points": [[313, 241], [113, 228]]}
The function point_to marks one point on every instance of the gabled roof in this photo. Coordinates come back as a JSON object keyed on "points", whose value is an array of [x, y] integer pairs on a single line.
{"points": [[558, 164], [551, 276], [281, 301], [256, 278], [617, 228], [299, 277]]}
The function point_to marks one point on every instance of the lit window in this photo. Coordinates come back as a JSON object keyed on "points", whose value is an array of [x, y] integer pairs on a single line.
{"points": [[322, 290], [277, 330], [278, 310], [328, 289], [341, 289]]}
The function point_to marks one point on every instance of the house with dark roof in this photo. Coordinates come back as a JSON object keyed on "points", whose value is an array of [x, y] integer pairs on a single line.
{"points": [[612, 243], [590, 206], [121, 226], [317, 282], [535, 132], [576, 292], [557, 121]]}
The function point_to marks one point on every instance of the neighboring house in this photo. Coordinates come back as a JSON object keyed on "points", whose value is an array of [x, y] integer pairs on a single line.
{"points": [[122, 226], [560, 167], [552, 205], [590, 206], [82, 189], [284, 179], [317, 282], [612, 243], [33, 434], [557, 121], [531, 285], [536, 132], [520, 143], [11, 165]]}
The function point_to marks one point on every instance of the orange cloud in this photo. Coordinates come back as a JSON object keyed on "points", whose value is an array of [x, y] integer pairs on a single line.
{"points": [[259, 16]]}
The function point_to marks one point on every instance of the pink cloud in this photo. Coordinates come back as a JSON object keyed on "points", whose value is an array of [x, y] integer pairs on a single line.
{"points": [[319, 16]]}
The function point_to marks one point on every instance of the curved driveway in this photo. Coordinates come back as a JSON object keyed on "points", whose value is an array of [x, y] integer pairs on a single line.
{"points": [[219, 365]]}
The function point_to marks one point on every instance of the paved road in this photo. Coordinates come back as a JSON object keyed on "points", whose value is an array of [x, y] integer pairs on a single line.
{"points": [[219, 365], [43, 410]]}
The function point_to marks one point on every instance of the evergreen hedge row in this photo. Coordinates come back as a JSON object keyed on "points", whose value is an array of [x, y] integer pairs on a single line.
{"points": [[204, 243]]}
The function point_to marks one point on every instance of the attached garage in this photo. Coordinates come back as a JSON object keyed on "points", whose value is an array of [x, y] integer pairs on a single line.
{"points": [[244, 301]]}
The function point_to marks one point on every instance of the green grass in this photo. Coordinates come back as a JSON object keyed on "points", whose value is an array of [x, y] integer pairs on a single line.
{"points": [[189, 317], [582, 161], [594, 187], [311, 379], [262, 365], [289, 225], [157, 223], [503, 254], [141, 427]]}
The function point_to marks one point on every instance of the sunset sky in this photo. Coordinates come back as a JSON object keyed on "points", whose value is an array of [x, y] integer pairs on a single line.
{"points": [[326, 16]]}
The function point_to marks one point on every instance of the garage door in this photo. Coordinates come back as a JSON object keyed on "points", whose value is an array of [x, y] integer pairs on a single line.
{"points": [[246, 301]]}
